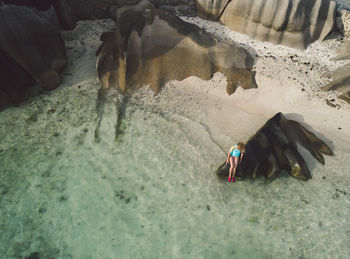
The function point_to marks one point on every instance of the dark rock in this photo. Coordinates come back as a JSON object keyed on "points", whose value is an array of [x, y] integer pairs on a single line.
{"points": [[293, 23], [167, 8], [112, 11], [158, 3], [63, 9], [14, 81], [171, 49], [186, 10], [192, 3], [42, 210], [52, 110], [63, 198], [89, 9], [46, 174], [330, 104], [40, 5], [65, 14], [31, 51], [34, 255], [273, 149], [211, 9]]}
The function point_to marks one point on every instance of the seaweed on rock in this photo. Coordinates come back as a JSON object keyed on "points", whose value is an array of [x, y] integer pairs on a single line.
{"points": [[274, 149]]}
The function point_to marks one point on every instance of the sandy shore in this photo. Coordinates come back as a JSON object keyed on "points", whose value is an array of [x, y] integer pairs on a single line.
{"points": [[289, 80]]}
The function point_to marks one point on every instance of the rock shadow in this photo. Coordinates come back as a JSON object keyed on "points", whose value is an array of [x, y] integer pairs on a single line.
{"points": [[274, 149]]}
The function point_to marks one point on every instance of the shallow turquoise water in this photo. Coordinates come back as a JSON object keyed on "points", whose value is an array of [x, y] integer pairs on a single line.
{"points": [[151, 192]]}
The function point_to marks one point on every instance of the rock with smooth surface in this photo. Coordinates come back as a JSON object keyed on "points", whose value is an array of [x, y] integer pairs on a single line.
{"points": [[211, 9], [341, 76], [340, 83], [344, 51], [63, 9], [273, 149], [33, 49], [295, 23], [151, 47]]}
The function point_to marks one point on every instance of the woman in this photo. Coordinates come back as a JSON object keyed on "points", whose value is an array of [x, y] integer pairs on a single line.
{"points": [[234, 157]]}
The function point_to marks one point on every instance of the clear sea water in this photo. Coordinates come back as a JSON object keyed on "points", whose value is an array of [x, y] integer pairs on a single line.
{"points": [[150, 192]]}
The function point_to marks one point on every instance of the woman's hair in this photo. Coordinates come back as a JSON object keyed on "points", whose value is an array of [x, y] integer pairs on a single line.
{"points": [[241, 146]]}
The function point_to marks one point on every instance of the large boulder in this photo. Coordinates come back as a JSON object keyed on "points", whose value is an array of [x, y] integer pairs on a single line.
{"points": [[211, 9], [340, 83], [295, 23], [341, 76], [151, 47], [31, 50], [273, 149], [344, 51], [69, 12], [65, 13], [343, 22], [14, 81], [41, 5]]}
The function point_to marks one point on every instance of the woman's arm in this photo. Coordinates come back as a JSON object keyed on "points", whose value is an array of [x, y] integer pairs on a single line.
{"points": [[228, 155], [228, 158], [240, 160]]}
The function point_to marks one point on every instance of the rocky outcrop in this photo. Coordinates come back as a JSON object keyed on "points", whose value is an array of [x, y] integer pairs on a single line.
{"points": [[31, 50], [340, 83], [274, 149], [69, 12], [341, 76], [64, 11], [343, 22], [344, 51], [66, 15], [151, 47], [295, 23], [41, 5], [211, 9]]}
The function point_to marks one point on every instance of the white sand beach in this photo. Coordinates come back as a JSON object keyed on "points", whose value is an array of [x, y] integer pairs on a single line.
{"points": [[153, 192]]}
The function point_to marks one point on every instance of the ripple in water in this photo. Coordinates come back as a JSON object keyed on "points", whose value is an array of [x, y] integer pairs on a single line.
{"points": [[151, 193]]}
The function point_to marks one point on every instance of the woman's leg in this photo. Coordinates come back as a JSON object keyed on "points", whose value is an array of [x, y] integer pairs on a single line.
{"points": [[231, 167], [235, 165]]}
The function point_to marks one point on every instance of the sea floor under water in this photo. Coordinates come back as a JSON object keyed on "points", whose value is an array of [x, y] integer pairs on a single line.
{"points": [[151, 191], [134, 177]]}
